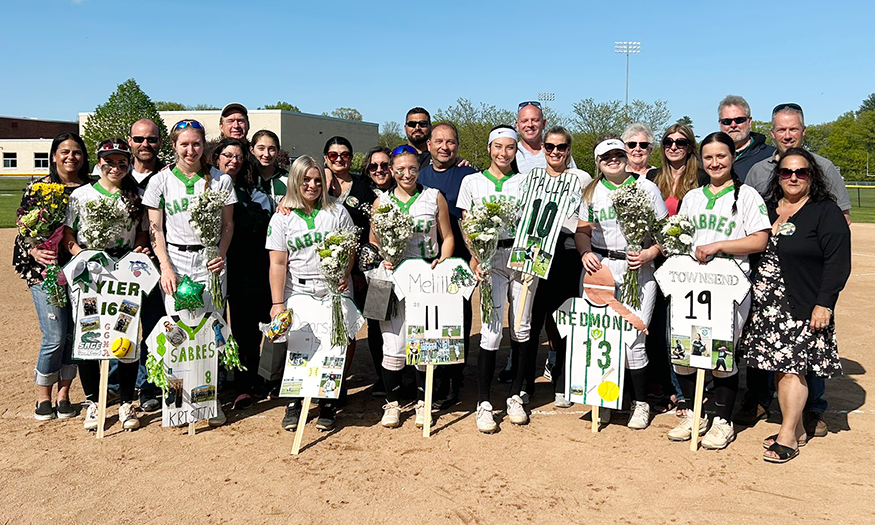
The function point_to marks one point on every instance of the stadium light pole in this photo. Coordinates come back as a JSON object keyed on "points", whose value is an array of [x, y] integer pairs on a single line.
{"points": [[627, 48], [546, 97]]}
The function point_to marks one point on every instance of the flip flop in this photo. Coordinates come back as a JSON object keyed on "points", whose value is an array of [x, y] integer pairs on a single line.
{"points": [[771, 439], [784, 453], [243, 402]]}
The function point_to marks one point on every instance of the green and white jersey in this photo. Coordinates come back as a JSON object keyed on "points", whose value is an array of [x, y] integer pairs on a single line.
{"points": [[714, 220], [77, 216], [423, 208], [298, 234], [170, 190], [485, 187], [606, 232]]}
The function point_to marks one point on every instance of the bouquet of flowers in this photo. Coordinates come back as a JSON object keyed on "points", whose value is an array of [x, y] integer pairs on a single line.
{"points": [[483, 226], [675, 235], [41, 223], [335, 253], [636, 218], [393, 228], [206, 221], [102, 222]]}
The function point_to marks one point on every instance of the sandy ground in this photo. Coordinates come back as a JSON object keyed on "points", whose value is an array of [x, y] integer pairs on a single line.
{"points": [[550, 471]]}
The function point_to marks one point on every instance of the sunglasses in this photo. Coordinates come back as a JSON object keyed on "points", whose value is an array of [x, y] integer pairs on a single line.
{"points": [[680, 143], [633, 145], [404, 148], [112, 145], [550, 147], [140, 140], [737, 120], [374, 167], [182, 124], [529, 103], [333, 155], [109, 166], [801, 173], [418, 124], [788, 105]]}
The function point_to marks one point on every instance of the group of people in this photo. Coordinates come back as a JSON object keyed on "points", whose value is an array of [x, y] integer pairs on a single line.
{"points": [[768, 208]]}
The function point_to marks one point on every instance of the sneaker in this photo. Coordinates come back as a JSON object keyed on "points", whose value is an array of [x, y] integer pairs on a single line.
{"points": [[750, 413], [149, 403], [391, 415], [65, 409], [814, 424], [219, 419], [515, 411], [548, 371], [720, 435], [640, 417], [485, 421], [420, 414], [44, 411], [524, 397], [243, 402], [684, 430], [561, 402], [379, 389], [127, 416], [327, 418], [90, 416], [293, 414]]}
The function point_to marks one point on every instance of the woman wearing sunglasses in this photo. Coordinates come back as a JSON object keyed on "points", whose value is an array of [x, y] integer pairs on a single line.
{"points": [[797, 282], [376, 169], [730, 221], [602, 242], [176, 245], [638, 139]]}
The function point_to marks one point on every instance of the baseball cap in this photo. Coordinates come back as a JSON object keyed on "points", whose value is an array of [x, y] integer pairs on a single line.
{"points": [[234, 107], [609, 145], [114, 145]]}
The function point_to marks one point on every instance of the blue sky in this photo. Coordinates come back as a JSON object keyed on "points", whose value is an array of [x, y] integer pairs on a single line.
{"points": [[61, 57]]}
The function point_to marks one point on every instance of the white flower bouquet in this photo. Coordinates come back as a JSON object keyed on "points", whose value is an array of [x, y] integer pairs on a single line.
{"points": [[206, 221], [335, 253], [675, 235], [102, 222], [393, 228], [635, 216]]}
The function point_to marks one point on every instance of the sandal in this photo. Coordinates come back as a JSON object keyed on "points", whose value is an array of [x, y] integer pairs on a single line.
{"points": [[243, 402], [784, 454], [769, 441]]}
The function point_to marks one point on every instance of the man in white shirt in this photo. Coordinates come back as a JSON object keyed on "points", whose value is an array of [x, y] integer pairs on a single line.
{"points": [[530, 123]]}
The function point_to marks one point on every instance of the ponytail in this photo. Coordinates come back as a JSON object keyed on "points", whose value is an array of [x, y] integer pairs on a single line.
{"points": [[131, 198]]}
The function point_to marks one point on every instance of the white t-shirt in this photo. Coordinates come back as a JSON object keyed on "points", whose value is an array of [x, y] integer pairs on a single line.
{"points": [[606, 232], [526, 161], [714, 220], [172, 191], [485, 187], [77, 216], [423, 208], [298, 234]]}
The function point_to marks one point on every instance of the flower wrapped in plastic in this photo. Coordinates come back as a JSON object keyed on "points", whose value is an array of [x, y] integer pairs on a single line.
{"points": [[393, 228], [636, 218], [40, 221], [206, 221], [675, 235], [102, 222], [483, 226], [336, 251]]}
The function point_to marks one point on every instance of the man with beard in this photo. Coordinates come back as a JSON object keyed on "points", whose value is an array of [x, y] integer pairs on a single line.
{"points": [[417, 126], [733, 115], [530, 123]]}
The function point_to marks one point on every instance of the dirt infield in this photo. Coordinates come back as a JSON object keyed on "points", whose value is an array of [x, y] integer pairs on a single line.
{"points": [[550, 471]]}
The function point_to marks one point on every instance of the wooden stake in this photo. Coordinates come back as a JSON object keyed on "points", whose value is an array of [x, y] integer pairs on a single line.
{"points": [[527, 281], [595, 419], [299, 432], [101, 398], [429, 384], [191, 429], [697, 408]]}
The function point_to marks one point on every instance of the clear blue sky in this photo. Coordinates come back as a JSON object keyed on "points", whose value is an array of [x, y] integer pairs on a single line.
{"points": [[60, 57]]}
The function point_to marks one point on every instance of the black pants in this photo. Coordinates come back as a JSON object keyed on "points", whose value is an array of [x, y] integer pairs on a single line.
{"points": [[89, 375], [375, 336]]}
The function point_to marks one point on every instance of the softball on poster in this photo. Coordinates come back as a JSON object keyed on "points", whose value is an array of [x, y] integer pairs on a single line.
{"points": [[106, 296]]}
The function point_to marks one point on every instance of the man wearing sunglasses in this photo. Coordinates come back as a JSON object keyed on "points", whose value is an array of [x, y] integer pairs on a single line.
{"points": [[234, 121], [417, 126], [530, 124], [733, 115]]}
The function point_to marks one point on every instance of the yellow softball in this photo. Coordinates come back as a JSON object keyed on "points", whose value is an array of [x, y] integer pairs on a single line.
{"points": [[609, 391], [121, 347]]}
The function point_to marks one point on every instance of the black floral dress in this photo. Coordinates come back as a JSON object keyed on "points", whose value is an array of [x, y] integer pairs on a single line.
{"points": [[773, 339]]}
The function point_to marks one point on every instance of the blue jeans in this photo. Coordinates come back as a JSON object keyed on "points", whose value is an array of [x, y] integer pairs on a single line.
{"points": [[55, 361], [816, 389]]}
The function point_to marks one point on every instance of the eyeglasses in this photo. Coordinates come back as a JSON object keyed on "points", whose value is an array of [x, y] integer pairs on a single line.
{"points": [[680, 143], [633, 145], [333, 155], [404, 148], [550, 147], [529, 103], [182, 124], [374, 167], [614, 154], [229, 156], [737, 120], [801, 173], [139, 140], [109, 166], [787, 105], [418, 124]]}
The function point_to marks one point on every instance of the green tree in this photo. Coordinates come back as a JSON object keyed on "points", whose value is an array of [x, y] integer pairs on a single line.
{"points": [[655, 115], [114, 118], [347, 113], [867, 105], [474, 124], [202, 107], [686, 121], [764, 128], [611, 117], [850, 137], [164, 105], [285, 106], [391, 135]]}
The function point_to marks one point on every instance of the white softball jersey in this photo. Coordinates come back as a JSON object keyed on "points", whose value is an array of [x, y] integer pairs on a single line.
{"points": [[77, 217]]}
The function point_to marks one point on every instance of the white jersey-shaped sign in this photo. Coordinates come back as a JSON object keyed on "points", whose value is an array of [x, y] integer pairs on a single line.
{"points": [[547, 202], [106, 298], [313, 367], [433, 309], [703, 302], [190, 351]]}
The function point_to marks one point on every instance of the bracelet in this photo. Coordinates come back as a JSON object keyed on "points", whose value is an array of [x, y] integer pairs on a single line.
{"points": [[281, 302]]}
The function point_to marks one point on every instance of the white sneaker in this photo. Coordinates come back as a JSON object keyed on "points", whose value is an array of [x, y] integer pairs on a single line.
{"points": [[515, 411], [561, 402], [684, 430], [391, 415], [420, 414], [219, 419], [485, 421], [720, 435], [640, 417], [127, 416], [524, 397], [91, 416]]}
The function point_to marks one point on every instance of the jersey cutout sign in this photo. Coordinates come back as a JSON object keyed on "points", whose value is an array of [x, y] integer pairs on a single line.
{"points": [[107, 296], [703, 299], [433, 309], [313, 367]]}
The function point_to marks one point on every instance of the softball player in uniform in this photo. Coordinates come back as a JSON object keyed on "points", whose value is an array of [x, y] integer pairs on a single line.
{"points": [[500, 182], [307, 214], [431, 216], [601, 242], [731, 220]]}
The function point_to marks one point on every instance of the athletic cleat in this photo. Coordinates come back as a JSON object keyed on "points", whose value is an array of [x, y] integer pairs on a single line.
{"points": [[640, 417], [485, 421], [127, 416], [515, 411], [721, 434], [684, 430], [420, 414], [391, 415]]}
